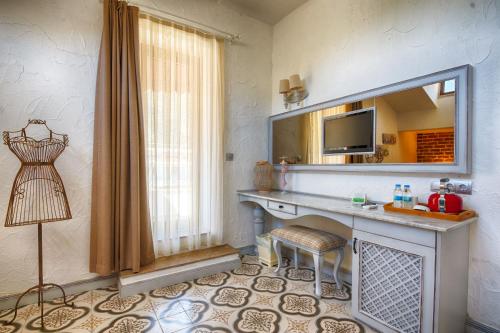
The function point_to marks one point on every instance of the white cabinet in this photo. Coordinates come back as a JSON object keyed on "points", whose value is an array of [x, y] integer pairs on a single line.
{"points": [[393, 283], [409, 280]]}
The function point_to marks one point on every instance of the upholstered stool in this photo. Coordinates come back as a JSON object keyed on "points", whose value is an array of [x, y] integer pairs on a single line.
{"points": [[318, 242]]}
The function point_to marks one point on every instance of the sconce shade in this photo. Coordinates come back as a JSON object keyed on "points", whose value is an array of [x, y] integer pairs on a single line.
{"points": [[295, 82], [284, 86]]}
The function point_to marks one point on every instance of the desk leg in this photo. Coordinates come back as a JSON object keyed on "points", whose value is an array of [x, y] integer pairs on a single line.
{"points": [[318, 258], [258, 220], [277, 249]]}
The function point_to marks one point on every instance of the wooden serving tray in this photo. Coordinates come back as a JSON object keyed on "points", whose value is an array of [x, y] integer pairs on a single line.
{"points": [[463, 215]]}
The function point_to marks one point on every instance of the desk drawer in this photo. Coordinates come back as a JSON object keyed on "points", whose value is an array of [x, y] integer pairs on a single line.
{"points": [[282, 207]]}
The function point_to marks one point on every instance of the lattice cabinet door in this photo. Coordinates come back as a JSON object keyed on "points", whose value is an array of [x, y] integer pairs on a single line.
{"points": [[392, 283]]}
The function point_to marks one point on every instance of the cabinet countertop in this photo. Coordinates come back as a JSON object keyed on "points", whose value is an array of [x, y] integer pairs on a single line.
{"points": [[344, 206]]}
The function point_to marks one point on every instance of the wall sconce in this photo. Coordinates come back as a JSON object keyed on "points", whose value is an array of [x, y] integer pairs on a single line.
{"points": [[292, 90]]}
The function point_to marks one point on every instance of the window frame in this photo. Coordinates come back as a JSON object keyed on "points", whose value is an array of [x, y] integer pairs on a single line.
{"points": [[441, 88]]}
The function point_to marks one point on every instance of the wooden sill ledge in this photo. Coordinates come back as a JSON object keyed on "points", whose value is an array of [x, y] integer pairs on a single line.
{"points": [[184, 258]]}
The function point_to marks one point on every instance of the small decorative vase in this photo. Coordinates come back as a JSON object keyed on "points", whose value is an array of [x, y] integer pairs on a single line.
{"points": [[263, 176], [284, 170]]}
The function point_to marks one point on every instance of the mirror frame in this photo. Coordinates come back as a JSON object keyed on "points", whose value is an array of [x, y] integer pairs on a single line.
{"points": [[463, 124]]}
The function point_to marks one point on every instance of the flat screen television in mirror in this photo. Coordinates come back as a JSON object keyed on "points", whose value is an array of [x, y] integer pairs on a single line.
{"points": [[349, 133]]}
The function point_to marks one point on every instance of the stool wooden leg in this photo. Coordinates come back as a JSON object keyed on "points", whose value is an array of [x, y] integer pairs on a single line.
{"points": [[336, 269], [277, 249], [317, 272], [296, 257]]}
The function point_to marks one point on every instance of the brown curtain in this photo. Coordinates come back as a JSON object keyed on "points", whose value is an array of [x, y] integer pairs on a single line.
{"points": [[120, 229]]}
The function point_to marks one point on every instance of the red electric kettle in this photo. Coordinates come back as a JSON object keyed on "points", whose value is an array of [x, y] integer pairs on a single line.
{"points": [[445, 201]]}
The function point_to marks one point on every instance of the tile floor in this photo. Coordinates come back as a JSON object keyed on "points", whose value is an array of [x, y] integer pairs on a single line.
{"points": [[248, 299]]}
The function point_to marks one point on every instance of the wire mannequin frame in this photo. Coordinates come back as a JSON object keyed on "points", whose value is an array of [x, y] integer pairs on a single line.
{"points": [[38, 194]]}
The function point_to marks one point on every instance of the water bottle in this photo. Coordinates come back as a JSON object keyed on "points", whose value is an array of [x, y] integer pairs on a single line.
{"points": [[398, 197], [407, 197]]}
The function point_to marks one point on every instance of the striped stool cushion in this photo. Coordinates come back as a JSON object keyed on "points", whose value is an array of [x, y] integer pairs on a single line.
{"points": [[310, 238]]}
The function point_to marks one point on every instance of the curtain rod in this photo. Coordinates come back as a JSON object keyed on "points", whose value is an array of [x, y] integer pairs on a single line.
{"points": [[185, 21]]}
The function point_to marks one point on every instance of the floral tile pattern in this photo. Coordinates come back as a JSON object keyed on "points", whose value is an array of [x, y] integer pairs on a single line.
{"points": [[132, 323], [171, 292], [304, 305], [301, 274], [232, 297], [248, 299], [215, 280], [333, 325], [248, 269], [114, 304], [273, 285], [5, 327], [58, 318], [329, 291]]}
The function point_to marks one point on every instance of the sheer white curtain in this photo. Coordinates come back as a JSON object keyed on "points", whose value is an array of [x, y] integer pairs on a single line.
{"points": [[314, 136], [181, 73]]}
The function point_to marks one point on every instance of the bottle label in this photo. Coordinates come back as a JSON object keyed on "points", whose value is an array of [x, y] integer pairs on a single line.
{"points": [[398, 198], [407, 199]]}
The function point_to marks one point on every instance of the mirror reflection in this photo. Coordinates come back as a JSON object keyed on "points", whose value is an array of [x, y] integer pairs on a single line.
{"points": [[410, 126]]}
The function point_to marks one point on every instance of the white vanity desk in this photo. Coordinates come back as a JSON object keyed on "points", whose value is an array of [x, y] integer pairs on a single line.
{"points": [[409, 273]]}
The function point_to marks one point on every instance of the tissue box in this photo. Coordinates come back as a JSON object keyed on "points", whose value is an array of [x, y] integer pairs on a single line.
{"points": [[267, 256]]}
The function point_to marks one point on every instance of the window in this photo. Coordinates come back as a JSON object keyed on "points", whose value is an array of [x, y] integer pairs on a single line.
{"points": [[447, 87], [182, 91]]}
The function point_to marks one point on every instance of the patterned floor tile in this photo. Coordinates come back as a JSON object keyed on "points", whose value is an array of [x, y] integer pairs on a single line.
{"points": [[258, 320], [97, 295], [264, 300], [175, 323], [334, 325], [221, 316], [58, 318], [301, 274], [300, 287], [231, 297], [170, 292], [248, 270], [24, 313], [202, 292], [215, 280], [329, 291], [80, 299], [239, 280], [168, 309], [91, 323], [251, 298], [5, 327], [274, 285], [207, 327], [299, 305], [297, 325], [113, 304], [250, 260], [132, 322], [5, 317], [336, 308], [197, 310]]}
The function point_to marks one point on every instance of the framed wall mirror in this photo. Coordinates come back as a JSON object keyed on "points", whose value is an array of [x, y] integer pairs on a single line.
{"points": [[418, 125]]}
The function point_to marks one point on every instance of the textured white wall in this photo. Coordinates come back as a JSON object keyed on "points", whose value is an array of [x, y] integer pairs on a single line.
{"points": [[347, 46], [48, 64]]}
